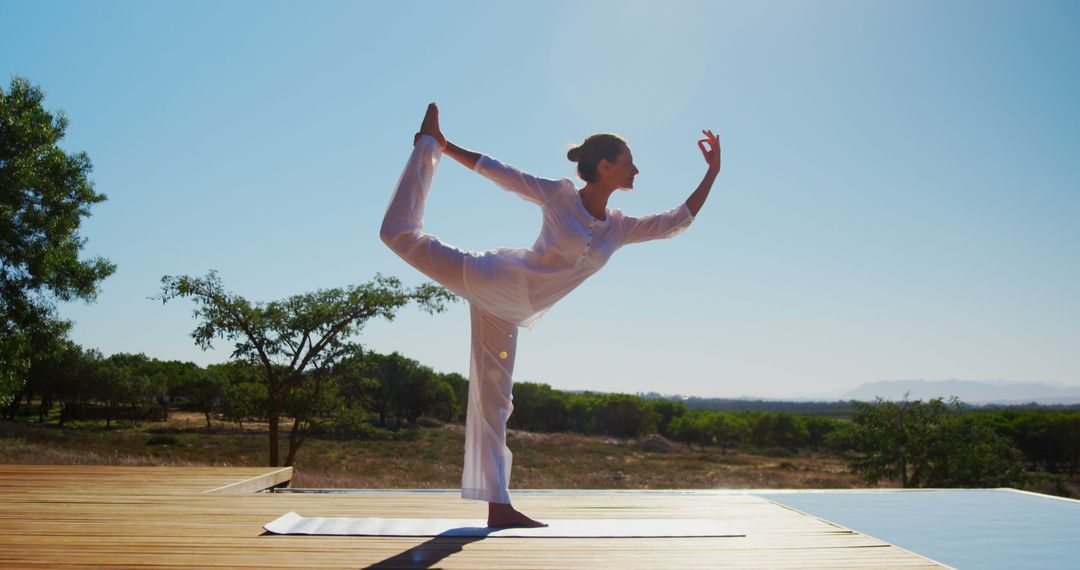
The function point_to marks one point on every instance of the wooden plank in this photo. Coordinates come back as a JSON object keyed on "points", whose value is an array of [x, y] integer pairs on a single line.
{"points": [[256, 483]]}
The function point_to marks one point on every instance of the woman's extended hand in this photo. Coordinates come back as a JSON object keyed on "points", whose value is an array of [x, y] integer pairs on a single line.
{"points": [[712, 155]]}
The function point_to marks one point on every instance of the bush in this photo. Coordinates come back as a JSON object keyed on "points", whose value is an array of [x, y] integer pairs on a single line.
{"points": [[351, 424], [778, 452], [163, 439], [657, 444], [428, 422], [928, 444], [1047, 483]]}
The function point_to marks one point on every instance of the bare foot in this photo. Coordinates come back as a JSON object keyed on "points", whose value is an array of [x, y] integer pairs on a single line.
{"points": [[430, 125], [504, 516]]}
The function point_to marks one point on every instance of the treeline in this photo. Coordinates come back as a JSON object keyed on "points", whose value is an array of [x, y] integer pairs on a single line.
{"points": [[372, 396], [941, 443], [839, 409], [538, 407], [835, 409], [76, 383]]}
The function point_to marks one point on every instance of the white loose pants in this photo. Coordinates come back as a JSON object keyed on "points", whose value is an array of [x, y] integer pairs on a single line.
{"points": [[486, 475]]}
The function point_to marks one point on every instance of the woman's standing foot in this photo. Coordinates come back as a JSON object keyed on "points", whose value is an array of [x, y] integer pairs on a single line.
{"points": [[505, 515]]}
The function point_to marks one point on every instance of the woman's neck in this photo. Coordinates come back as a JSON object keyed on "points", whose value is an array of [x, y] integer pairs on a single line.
{"points": [[595, 198]]}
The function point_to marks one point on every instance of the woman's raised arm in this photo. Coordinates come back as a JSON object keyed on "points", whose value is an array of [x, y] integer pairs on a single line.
{"points": [[712, 156], [532, 188], [462, 155], [465, 156]]}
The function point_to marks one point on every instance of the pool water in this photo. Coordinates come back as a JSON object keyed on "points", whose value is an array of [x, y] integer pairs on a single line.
{"points": [[964, 528]]}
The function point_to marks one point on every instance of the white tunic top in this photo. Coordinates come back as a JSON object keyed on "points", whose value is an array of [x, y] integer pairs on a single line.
{"points": [[519, 285]]}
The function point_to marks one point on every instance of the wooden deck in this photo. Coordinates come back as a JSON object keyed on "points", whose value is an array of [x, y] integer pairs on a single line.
{"points": [[190, 517]]}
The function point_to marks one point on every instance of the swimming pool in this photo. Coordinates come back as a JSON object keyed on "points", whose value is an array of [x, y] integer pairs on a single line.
{"points": [[964, 528]]}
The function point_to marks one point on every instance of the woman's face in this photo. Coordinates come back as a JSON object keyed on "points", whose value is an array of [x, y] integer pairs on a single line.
{"points": [[621, 173]]}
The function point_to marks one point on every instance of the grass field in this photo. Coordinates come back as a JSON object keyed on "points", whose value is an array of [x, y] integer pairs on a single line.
{"points": [[430, 461]]}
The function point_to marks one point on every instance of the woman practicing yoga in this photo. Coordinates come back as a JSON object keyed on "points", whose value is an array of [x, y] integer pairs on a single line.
{"points": [[510, 288]]}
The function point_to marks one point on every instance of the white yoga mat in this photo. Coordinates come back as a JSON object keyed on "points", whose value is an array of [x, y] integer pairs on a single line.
{"points": [[292, 523]]}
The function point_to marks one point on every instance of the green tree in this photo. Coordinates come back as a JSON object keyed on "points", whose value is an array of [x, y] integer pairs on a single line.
{"points": [[441, 398], [625, 415], [581, 412], [296, 341], [44, 195], [362, 384], [243, 400], [692, 427], [666, 410], [459, 386], [414, 392], [928, 444], [537, 407], [204, 388], [726, 429], [818, 430], [967, 453], [127, 382], [53, 377]]}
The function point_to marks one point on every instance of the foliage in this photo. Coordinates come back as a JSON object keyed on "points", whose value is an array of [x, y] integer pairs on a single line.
{"points": [[1050, 440], [351, 425], [928, 444], [243, 395], [295, 342], [398, 387], [68, 374], [44, 195], [244, 401], [665, 411], [538, 407], [623, 415], [778, 430]]}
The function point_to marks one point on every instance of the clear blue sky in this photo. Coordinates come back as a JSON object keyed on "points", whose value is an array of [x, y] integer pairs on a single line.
{"points": [[899, 198]]}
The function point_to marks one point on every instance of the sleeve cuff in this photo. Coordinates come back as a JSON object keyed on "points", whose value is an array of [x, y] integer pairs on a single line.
{"points": [[478, 166], [686, 213]]}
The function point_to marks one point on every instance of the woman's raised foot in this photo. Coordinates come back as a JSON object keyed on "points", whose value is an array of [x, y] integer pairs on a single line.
{"points": [[430, 125]]}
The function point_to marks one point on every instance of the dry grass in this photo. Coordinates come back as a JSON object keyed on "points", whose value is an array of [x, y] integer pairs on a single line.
{"points": [[431, 461]]}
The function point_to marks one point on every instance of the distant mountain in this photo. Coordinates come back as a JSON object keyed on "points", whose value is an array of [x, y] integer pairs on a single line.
{"points": [[969, 392]]}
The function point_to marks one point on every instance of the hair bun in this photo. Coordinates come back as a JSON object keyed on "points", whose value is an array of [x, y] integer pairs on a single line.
{"points": [[574, 154]]}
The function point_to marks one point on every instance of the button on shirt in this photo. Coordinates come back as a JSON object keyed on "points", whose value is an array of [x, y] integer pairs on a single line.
{"points": [[520, 285]]}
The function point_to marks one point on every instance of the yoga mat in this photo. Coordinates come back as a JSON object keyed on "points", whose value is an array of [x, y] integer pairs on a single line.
{"points": [[292, 523]]}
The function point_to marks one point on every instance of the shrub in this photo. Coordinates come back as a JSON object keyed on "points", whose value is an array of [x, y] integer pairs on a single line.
{"points": [[163, 439]]}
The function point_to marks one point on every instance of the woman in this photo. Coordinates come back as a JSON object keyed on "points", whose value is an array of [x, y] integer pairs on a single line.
{"points": [[509, 288]]}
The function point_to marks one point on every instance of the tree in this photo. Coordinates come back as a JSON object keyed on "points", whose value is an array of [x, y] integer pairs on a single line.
{"points": [[205, 388], [818, 430], [779, 429], [44, 195], [457, 400], [726, 429], [296, 341], [537, 407], [691, 428], [928, 444], [363, 384], [625, 415], [666, 410], [411, 387], [52, 377], [244, 395]]}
